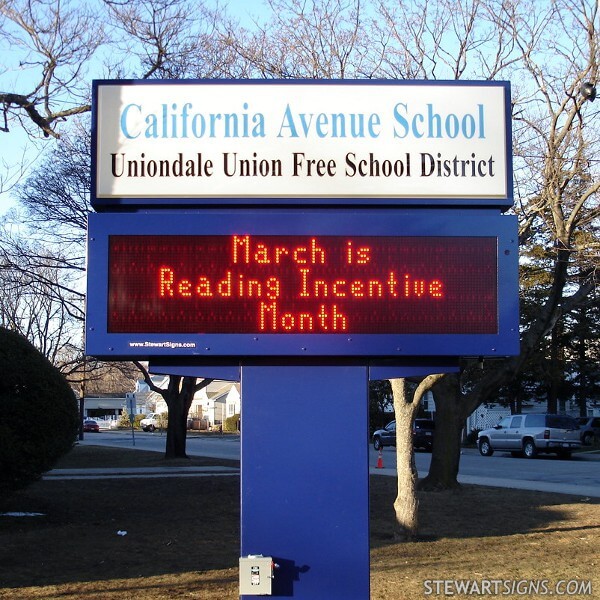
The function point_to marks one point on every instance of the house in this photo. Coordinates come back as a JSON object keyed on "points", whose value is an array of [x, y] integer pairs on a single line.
{"points": [[107, 406], [222, 402], [147, 397], [216, 402], [485, 416]]}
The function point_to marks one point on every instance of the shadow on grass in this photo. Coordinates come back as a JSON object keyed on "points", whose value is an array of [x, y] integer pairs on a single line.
{"points": [[472, 512], [173, 525], [182, 526]]}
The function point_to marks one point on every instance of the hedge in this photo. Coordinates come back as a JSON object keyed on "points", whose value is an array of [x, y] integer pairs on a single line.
{"points": [[39, 416]]}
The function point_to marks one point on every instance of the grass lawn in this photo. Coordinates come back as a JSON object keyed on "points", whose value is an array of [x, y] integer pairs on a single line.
{"points": [[182, 538]]}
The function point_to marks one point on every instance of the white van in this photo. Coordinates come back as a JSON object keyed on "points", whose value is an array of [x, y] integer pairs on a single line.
{"points": [[150, 422]]}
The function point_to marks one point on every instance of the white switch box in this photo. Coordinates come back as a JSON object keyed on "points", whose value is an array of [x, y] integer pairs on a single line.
{"points": [[256, 575]]}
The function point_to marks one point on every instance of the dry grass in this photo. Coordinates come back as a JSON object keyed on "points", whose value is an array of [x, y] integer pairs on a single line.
{"points": [[183, 537]]}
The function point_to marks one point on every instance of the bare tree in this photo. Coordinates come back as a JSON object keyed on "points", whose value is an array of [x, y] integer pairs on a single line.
{"points": [[557, 183], [55, 40], [321, 39], [45, 241], [152, 39], [179, 396], [167, 39], [56, 47], [440, 39], [42, 259], [30, 306]]}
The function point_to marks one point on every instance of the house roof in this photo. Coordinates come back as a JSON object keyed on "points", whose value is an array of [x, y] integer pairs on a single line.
{"points": [[218, 388]]}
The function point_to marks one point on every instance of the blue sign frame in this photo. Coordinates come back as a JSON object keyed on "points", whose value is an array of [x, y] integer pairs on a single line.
{"points": [[418, 222], [125, 202]]}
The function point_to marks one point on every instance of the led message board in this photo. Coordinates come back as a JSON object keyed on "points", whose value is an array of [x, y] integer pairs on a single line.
{"points": [[241, 287], [158, 143], [302, 284]]}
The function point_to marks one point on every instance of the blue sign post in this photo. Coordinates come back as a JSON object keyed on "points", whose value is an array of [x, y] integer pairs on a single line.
{"points": [[305, 478], [302, 247]]}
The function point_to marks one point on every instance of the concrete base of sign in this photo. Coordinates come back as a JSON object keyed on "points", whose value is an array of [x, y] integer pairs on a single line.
{"points": [[304, 481]]}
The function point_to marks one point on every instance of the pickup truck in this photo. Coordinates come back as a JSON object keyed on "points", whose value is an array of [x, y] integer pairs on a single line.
{"points": [[150, 422]]}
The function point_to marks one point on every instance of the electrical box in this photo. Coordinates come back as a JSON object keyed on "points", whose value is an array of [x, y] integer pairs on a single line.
{"points": [[256, 575]]}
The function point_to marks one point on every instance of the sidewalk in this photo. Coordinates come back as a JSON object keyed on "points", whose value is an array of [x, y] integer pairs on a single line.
{"points": [[515, 484], [140, 472], [520, 484]]}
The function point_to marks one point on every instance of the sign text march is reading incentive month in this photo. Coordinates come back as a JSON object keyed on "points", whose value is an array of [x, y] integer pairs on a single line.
{"points": [[284, 284]]}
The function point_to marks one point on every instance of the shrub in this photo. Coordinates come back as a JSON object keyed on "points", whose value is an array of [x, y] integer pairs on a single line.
{"points": [[163, 420], [123, 421], [232, 423], [40, 416]]}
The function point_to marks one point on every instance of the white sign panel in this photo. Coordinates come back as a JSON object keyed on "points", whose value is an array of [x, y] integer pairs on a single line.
{"points": [[334, 139]]}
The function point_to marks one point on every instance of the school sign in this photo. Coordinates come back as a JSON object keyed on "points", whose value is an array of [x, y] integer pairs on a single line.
{"points": [[378, 142], [315, 235]]}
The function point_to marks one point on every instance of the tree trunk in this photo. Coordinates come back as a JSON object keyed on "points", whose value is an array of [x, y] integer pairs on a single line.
{"points": [[452, 409], [445, 455], [406, 504], [180, 399], [554, 372], [179, 396]]}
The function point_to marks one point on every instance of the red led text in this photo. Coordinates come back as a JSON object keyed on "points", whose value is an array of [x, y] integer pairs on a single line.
{"points": [[302, 284], [306, 287]]}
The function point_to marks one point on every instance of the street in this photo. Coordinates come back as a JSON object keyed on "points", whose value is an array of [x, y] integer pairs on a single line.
{"points": [[213, 446], [580, 475]]}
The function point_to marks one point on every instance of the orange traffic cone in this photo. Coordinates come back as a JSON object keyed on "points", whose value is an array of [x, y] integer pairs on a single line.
{"points": [[380, 459]]}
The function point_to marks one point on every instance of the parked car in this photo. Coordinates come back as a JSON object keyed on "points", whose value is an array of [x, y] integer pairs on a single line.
{"points": [[529, 435], [150, 422], [385, 437], [422, 434], [590, 428], [91, 425], [106, 423]]}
